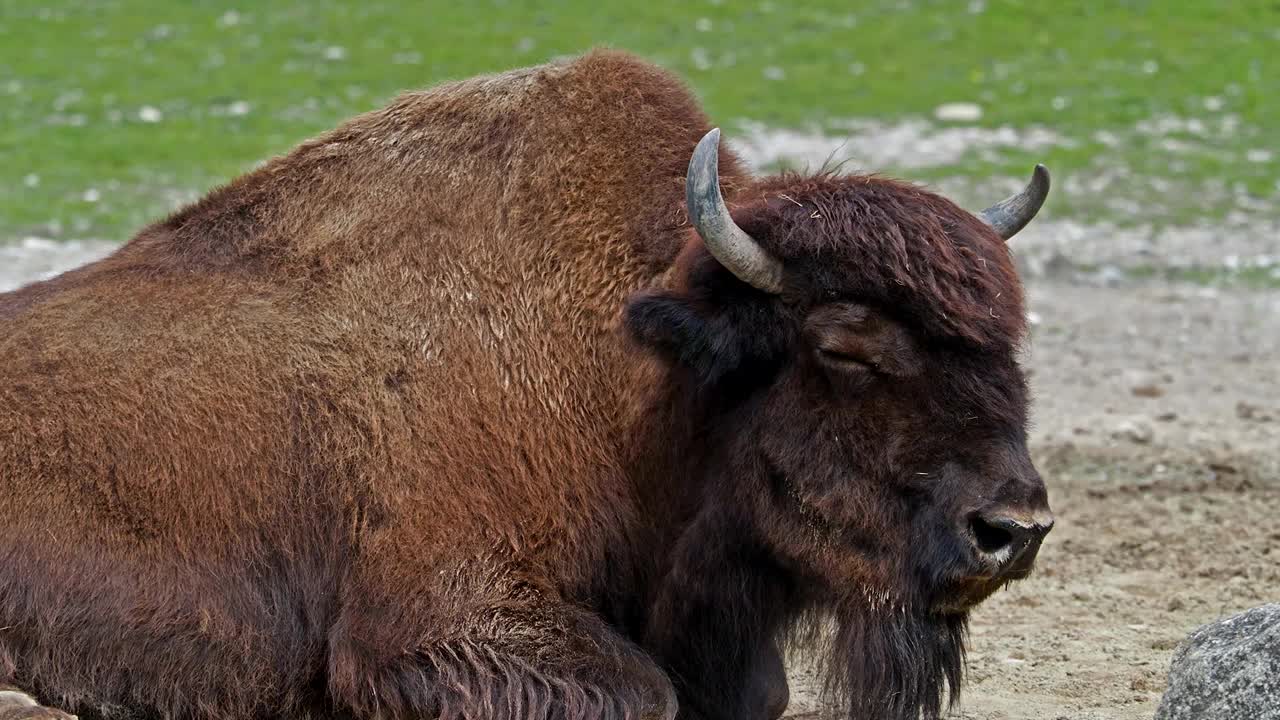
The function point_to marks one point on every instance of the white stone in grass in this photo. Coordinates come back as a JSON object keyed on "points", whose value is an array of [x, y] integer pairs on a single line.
{"points": [[149, 114], [958, 112], [1107, 138], [701, 58]]}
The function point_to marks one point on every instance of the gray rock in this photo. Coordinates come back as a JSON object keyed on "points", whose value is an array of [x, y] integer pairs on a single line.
{"points": [[1227, 670]]}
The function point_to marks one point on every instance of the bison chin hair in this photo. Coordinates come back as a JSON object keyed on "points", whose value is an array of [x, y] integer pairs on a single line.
{"points": [[886, 663]]}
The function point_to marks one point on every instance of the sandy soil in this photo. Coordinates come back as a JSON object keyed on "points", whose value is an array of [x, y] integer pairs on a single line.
{"points": [[1158, 416]]}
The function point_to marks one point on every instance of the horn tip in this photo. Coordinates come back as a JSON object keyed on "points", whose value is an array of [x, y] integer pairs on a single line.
{"points": [[1041, 175]]}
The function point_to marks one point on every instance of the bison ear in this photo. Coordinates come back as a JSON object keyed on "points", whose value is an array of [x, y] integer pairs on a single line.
{"points": [[711, 341]]}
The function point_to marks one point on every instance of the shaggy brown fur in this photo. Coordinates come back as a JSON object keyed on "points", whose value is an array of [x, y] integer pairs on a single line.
{"points": [[368, 433]]}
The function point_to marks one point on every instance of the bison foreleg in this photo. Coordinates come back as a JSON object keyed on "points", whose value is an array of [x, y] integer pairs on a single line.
{"points": [[17, 705], [535, 663]]}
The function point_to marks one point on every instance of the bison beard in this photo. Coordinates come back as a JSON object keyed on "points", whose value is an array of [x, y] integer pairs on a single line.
{"points": [[890, 665]]}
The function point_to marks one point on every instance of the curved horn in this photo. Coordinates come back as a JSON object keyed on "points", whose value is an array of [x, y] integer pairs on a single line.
{"points": [[727, 242], [1012, 214]]}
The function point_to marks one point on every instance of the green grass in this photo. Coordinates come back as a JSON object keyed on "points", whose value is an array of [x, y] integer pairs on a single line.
{"points": [[1250, 277], [74, 77]]}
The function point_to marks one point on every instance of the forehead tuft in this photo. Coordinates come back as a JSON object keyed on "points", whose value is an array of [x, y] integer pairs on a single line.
{"points": [[897, 245]]}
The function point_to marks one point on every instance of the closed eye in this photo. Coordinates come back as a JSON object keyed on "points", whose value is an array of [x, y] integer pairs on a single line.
{"points": [[845, 360]]}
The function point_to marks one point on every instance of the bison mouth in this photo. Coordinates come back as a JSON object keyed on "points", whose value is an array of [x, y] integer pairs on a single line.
{"points": [[987, 573], [962, 595]]}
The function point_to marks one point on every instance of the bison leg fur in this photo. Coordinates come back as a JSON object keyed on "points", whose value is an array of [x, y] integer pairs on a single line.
{"points": [[17, 705], [524, 663]]}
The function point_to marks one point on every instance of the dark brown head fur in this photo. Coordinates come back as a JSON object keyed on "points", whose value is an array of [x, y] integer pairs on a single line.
{"points": [[864, 417]]}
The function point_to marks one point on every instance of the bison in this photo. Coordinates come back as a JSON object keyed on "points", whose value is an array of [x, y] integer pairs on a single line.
{"points": [[488, 404]]}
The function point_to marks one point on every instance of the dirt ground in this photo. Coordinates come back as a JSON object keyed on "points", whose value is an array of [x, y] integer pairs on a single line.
{"points": [[1157, 418]]}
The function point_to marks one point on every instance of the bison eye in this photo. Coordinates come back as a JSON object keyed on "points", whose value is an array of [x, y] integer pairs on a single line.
{"points": [[846, 361]]}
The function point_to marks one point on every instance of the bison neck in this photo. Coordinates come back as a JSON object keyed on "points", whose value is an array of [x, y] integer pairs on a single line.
{"points": [[718, 610], [697, 589]]}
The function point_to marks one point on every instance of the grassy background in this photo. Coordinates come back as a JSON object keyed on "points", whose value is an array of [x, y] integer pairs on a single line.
{"points": [[228, 84]]}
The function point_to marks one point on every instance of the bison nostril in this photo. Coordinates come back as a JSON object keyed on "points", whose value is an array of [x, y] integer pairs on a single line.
{"points": [[989, 538], [1006, 538]]}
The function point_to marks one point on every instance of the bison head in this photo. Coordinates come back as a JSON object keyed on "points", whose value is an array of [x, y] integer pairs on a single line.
{"points": [[852, 343]]}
